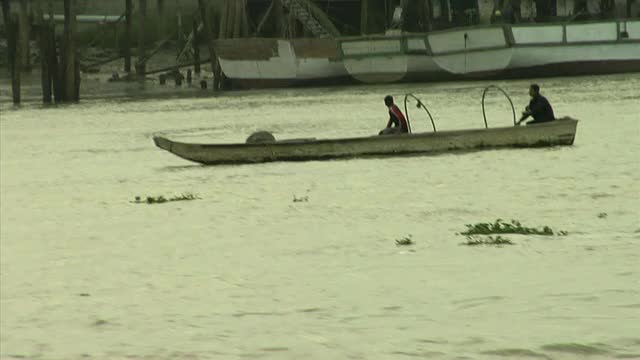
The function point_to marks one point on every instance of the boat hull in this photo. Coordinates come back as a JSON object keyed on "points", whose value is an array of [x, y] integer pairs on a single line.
{"points": [[559, 132], [483, 52]]}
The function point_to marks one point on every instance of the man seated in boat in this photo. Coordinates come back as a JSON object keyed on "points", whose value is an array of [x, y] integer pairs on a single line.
{"points": [[539, 108], [397, 123]]}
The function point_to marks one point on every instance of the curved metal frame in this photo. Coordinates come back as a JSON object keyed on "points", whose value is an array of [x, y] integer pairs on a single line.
{"points": [[420, 104], [508, 98]]}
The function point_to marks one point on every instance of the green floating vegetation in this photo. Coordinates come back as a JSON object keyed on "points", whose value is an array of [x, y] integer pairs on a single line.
{"points": [[489, 240], [161, 199], [514, 227], [404, 241]]}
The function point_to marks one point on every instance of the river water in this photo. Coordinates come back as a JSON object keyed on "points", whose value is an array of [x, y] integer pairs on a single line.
{"points": [[299, 260]]}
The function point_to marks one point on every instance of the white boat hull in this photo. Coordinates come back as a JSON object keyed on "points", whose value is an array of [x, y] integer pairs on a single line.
{"points": [[489, 52]]}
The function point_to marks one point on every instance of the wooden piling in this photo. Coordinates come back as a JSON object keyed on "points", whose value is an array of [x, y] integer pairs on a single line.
{"points": [[181, 41], [224, 20], [196, 48], [237, 18], [11, 27], [140, 64], [127, 36], [364, 17], [244, 32], [161, 19], [45, 54], [70, 61], [427, 11], [24, 35], [5, 13], [55, 67], [278, 17], [207, 26]]}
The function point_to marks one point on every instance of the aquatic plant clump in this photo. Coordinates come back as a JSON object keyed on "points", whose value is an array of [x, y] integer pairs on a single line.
{"points": [[489, 240], [404, 241], [300, 199], [161, 199], [514, 227]]}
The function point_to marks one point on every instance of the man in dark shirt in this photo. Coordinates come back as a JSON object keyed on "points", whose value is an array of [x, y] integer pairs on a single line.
{"points": [[397, 123], [539, 108]]}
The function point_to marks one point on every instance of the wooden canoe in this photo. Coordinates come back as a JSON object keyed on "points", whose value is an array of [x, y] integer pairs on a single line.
{"points": [[558, 132]]}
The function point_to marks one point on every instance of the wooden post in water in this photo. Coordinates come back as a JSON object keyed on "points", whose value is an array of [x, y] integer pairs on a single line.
{"points": [[127, 36], [224, 20], [70, 61], [278, 16], [206, 26], [44, 46], [161, 20], [428, 15], [140, 63], [245, 19], [45, 56], [5, 14], [54, 66], [196, 48], [181, 41], [23, 38], [364, 17], [237, 18], [11, 26]]}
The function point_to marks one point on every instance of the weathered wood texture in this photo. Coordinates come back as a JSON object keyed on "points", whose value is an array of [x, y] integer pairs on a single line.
{"points": [[70, 63], [208, 26], [25, 35], [42, 28], [127, 35], [12, 26], [142, 14], [46, 47], [196, 48]]}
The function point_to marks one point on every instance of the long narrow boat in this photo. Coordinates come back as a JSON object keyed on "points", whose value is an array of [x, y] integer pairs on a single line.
{"points": [[558, 132]]}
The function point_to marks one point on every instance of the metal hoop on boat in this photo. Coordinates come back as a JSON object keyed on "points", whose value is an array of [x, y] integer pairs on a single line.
{"points": [[420, 105], [508, 98]]}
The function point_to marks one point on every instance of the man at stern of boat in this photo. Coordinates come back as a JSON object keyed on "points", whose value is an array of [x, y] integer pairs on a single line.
{"points": [[539, 108], [397, 123]]}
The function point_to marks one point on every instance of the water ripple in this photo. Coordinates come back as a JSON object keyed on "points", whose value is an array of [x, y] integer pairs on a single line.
{"points": [[577, 349], [518, 353]]}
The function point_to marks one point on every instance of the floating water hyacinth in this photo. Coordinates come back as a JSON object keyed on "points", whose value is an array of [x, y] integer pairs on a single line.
{"points": [[514, 227], [161, 199], [404, 241], [489, 240]]}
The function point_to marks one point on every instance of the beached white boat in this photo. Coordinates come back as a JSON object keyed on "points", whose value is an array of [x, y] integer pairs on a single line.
{"points": [[496, 51], [479, 52], [271, 63], [558, 132]]}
